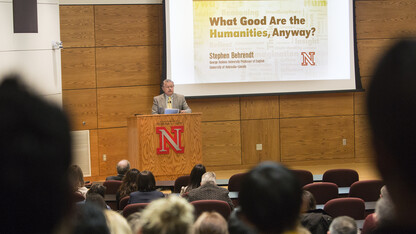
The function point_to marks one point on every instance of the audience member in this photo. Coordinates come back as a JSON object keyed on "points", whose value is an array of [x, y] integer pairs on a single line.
{"points": [[116, 223], [76, 178], [384, 213], [172, 215], [315, 220], [392, 113], [270, 200], [134, 222], [146, 189], [210, 223], [129, 184], [98, 189], [209, 190], [343, 225], [122, 167], [96, 199], [90, 219], [35, 149], [195, 179]]}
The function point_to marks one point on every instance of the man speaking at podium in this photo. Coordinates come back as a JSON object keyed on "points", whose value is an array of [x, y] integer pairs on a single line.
{"points": [[169, 100]]}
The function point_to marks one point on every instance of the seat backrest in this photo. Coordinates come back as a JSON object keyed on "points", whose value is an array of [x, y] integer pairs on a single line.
{"points": [[349, 206], [221, 207], [123, 202], [305, 177], [340, 177], [234, 183], [133, 208], [181, 181], [322, 191], [368, 190], [112, 186]]}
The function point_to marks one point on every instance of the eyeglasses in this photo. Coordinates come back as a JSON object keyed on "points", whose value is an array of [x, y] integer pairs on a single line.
{"points": [[168, 87]]}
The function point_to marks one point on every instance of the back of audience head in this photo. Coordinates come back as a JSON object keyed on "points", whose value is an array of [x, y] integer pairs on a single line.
{"points": [[208, 177], [34, 135], [98, 189], [210, 223], [96, 199], [146, 182], [392, 111], [384, 210], [116, 223], [76, 177], [123, 166], [196, 175], [171, 215], [308, 201], [134, 222], [270, 198], [90, 219], [343, 225], [130, 182]]}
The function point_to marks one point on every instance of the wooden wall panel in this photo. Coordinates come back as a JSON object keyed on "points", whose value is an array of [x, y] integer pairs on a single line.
{"points": [[77, 26], [81, 105], [265, 132], [316, 105], [128, 66], [363, 145], [221, 143], [385, 19], [122, 25], [360, 106], [113, 143], [116, 104], [369, 52], [78, 68], [317, 138], [261, 107], [216, 109]]}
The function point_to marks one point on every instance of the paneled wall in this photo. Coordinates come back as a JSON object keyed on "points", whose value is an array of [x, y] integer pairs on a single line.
{"points": [[111, 68]]}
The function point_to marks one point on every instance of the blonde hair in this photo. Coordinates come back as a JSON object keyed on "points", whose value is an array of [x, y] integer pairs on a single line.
{"points": [[167, 216], [116, 223], [211, 223], [208, 176]]}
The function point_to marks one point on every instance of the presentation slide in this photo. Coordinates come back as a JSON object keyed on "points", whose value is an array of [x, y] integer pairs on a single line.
{"points": [[234, 47]]}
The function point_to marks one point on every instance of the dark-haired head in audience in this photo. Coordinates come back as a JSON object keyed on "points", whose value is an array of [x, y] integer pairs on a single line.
{"points": [[392, 113], [90, 219], [98, 189], [122, 167], [270, 198], [343, 225], [308, 201], [315, 220], [146, 189], [195, 177], [76, 178], [129, 185], [210, 223], [34, 134]]}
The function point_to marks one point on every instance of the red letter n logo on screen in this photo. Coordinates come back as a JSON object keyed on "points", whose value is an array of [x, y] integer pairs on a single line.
{"points": [[308, 58], [174, 141]]}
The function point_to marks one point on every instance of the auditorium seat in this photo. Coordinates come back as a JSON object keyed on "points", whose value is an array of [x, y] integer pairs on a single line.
{"points": [[322, 191], [181, 181], [123, 202], [111, 189], [349, 206], [221, 207], [368, 190], [234, 183], [341, 177], [133, 208], [305, 177]]}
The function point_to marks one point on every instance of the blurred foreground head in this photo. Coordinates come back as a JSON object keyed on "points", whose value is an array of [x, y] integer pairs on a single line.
{"points": [[35, 154], [392, 116]]}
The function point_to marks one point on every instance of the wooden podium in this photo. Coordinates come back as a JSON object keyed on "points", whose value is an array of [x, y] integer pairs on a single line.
{"points": [[167, 145]]}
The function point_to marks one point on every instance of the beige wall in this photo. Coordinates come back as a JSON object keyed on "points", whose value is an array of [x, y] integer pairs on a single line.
{"points": [[111, 68]]}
